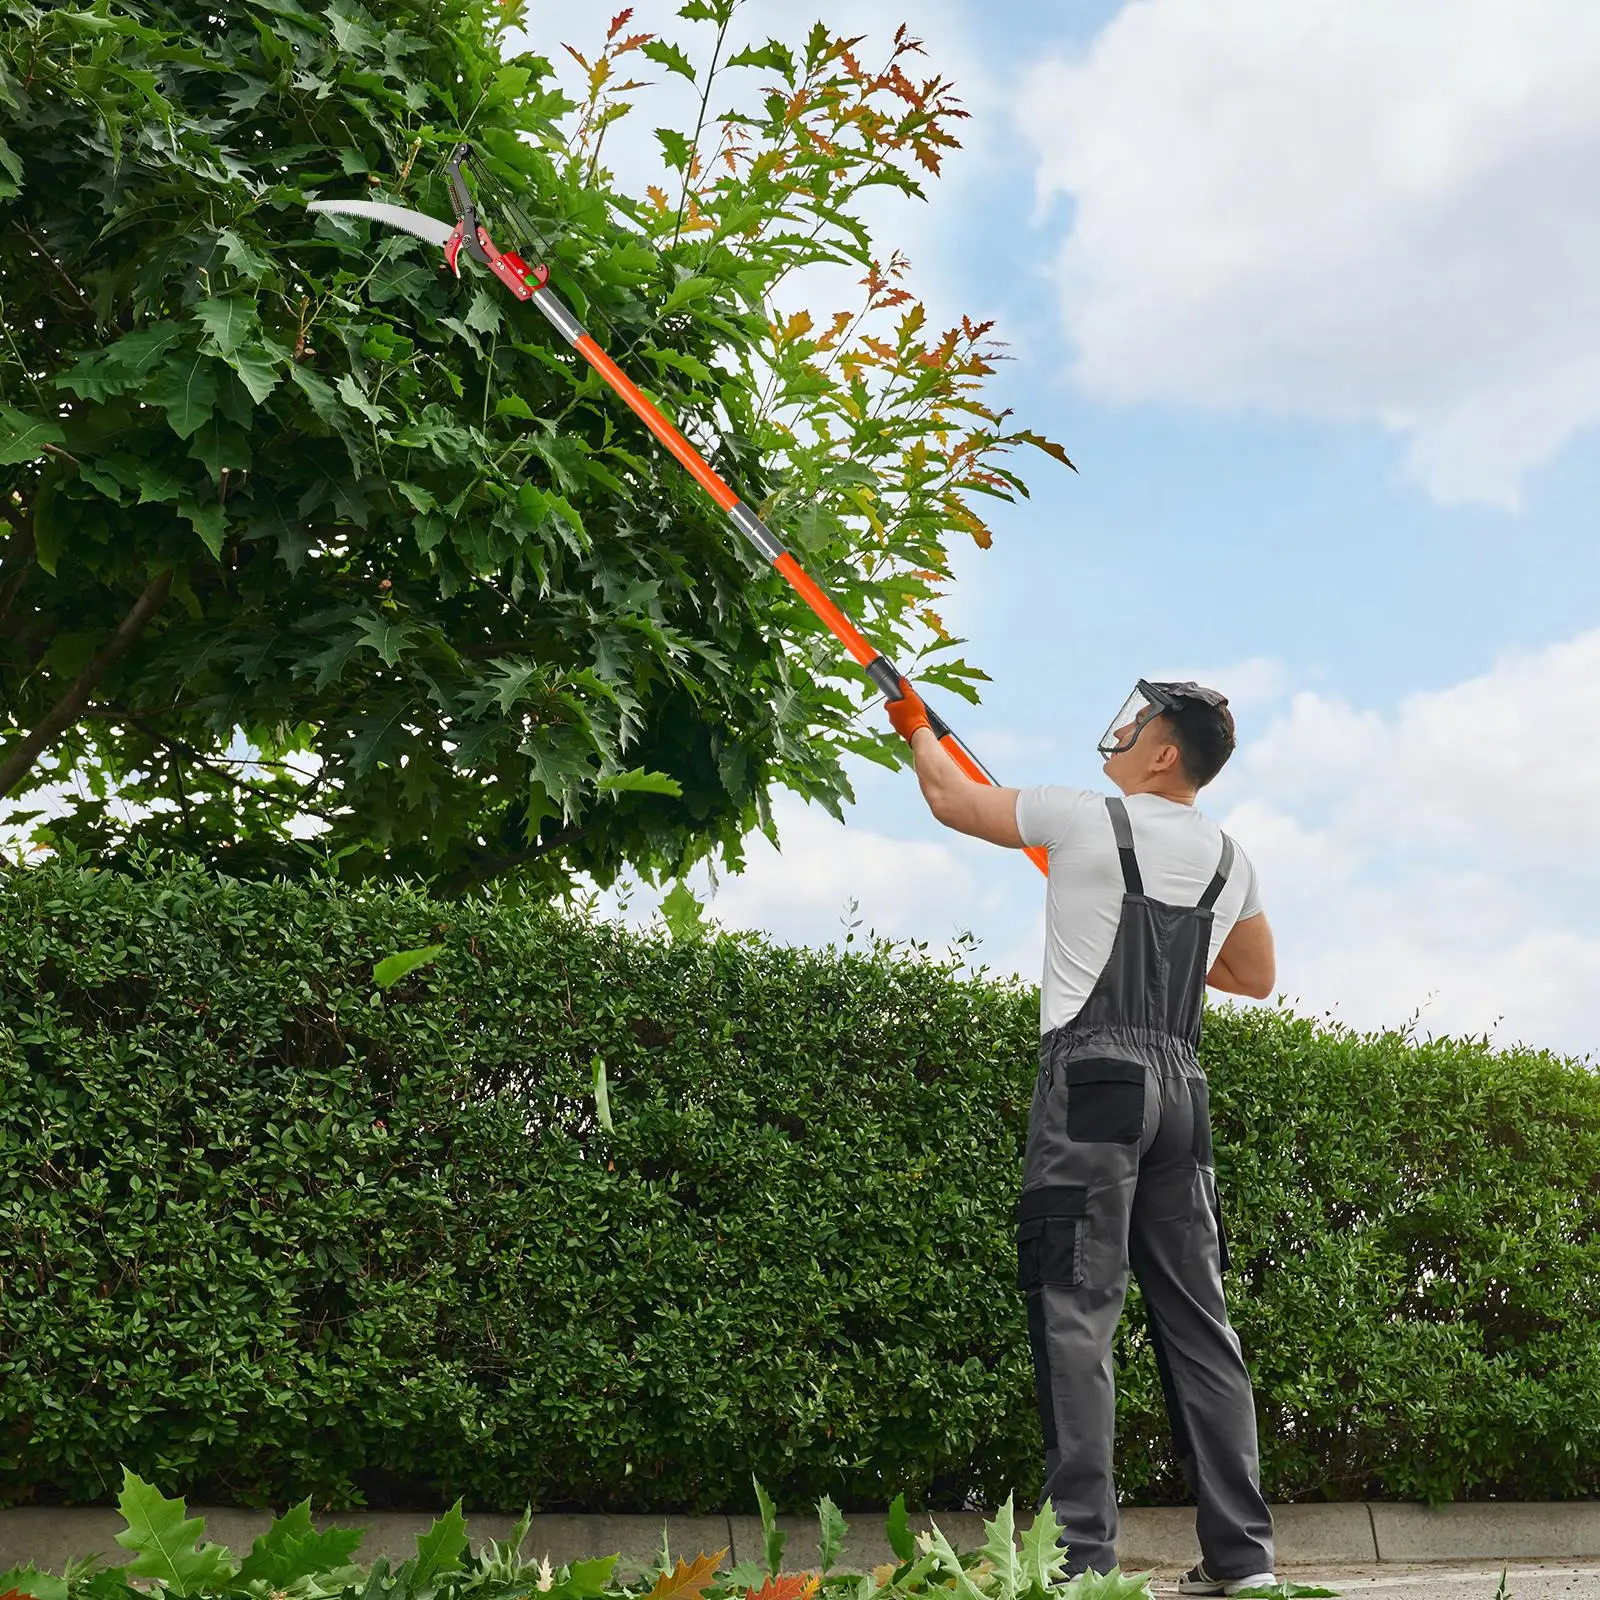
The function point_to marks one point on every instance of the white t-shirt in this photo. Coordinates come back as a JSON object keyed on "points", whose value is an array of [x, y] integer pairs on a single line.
{"points": [[1177, 848]]}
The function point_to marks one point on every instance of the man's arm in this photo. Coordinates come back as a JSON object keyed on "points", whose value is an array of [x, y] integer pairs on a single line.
{"points": [[981, 809], [1247, 963]]}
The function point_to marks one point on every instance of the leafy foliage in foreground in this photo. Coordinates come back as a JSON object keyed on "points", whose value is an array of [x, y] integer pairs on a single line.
{"points": [[298, 533], [269, 1228], [292, 1559]]}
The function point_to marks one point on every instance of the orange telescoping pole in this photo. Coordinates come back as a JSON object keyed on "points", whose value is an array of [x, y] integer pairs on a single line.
{"points": [[533, 283], [876, 666]]}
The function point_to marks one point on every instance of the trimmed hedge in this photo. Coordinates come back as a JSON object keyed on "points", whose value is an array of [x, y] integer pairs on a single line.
{"points": [[266, 1231]]}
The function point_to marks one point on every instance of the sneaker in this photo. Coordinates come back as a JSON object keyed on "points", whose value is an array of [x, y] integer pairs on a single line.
{"points": [[1198, 1581]]}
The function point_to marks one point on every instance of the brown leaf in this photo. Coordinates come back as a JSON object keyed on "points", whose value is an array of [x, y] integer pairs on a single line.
{"points": [[689, 1579]]}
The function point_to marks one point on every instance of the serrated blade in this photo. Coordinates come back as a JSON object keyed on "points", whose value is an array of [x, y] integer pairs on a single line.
{"points": [[417, 222]]}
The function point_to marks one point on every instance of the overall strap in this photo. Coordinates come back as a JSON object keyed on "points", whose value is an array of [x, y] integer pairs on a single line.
{"points": [[1220, 877], [1123, 829]]}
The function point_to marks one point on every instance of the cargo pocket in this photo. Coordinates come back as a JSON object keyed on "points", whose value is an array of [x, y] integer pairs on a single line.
{"points": [[1222, 1233], [1049, 1242], [1105, 1101], [1200, 1090]]}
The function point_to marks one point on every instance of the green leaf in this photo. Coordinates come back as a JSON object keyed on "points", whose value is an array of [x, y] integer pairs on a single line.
{"points": [[674, 148], [353, 31], [291, 1549], [185, 387], [353, 396], [30, 1580], [832, 1531], [773, 1538], [386, 974], [513, 405], [244, 258], [257, 368], [949, 1563], [772, 55], [12, 162], [588, 1580], [228, 319], [159, 484], [122, 365], [217, 444], [1000, 1550], [209, 520], [389, 636], [899, 1530], [685, 918], [686, 293], [638, 781], [319, 393], [1044, 1562], [1113, 1585], [1287, 1591], [602, 1102], [164, 1542], [440, 1548], [483, 315], [23, 438], [670, 56]]}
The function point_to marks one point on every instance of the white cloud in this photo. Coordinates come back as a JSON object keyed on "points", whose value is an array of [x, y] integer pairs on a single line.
{"points": [[1445, 858], [1344, 209]]}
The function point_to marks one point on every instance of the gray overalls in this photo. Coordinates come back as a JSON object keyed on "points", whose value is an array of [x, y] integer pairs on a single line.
{"points": [[1118, 1171]]}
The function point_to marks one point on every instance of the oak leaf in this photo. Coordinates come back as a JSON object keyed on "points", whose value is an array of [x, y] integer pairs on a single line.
{"points": [[791, 1586], [688, 1580]]}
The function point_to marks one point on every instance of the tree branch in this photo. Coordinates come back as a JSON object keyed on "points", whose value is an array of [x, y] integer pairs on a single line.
{"points": [[70, 707], [218, 767], [61, 272], [487, 868]]}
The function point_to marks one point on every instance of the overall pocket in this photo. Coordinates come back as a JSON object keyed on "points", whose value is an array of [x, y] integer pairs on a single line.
{"points": [[1200, 1091], [1105, 1101], [1049, 1241]]}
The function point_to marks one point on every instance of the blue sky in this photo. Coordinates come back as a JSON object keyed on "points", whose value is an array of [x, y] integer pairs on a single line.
{"points": [[1307, 290]]}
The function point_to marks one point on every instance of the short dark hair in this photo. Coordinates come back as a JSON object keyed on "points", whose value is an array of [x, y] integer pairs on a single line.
{"points": [[1204, 736]]}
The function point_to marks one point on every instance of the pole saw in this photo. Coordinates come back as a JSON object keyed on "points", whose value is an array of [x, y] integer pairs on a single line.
{"points": [[469, 233]]}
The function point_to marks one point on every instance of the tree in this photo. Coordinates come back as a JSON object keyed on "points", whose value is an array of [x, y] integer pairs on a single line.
{"points": [[313, 554]]}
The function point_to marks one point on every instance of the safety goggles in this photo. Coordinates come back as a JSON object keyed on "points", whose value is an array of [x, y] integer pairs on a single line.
{"points": [[1147, 701]]}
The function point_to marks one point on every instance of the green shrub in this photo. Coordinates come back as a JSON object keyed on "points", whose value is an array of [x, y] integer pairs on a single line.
{"points": [[268, 1230]]}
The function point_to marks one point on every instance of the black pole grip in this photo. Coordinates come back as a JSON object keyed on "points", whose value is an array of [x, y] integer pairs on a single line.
{"points": [[886, 676]]}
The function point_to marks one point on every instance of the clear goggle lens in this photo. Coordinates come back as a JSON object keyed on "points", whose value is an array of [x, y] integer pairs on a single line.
{"points": [[1124, 728]]}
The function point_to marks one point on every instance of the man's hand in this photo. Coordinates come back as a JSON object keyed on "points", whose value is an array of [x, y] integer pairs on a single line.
{"points": [[908, 712]]}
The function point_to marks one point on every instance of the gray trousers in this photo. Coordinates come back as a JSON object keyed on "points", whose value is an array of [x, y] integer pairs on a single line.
{"points": [[1149, 1202]]}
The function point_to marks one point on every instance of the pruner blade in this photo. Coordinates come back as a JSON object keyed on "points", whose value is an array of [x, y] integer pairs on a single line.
{"points": [[417, 222], [522, 280]]}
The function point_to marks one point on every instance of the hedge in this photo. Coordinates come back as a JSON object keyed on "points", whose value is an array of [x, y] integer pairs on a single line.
{"points": [[268, 1230]]}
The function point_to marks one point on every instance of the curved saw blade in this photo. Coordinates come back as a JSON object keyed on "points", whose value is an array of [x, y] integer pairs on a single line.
{"points": [[417, 222]]}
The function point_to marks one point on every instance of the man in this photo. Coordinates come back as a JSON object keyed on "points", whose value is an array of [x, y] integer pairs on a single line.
{"points": [[1148, 901]]}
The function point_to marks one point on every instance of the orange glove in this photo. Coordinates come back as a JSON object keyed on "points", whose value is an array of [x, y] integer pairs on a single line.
{"points": [[907, 714]]}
